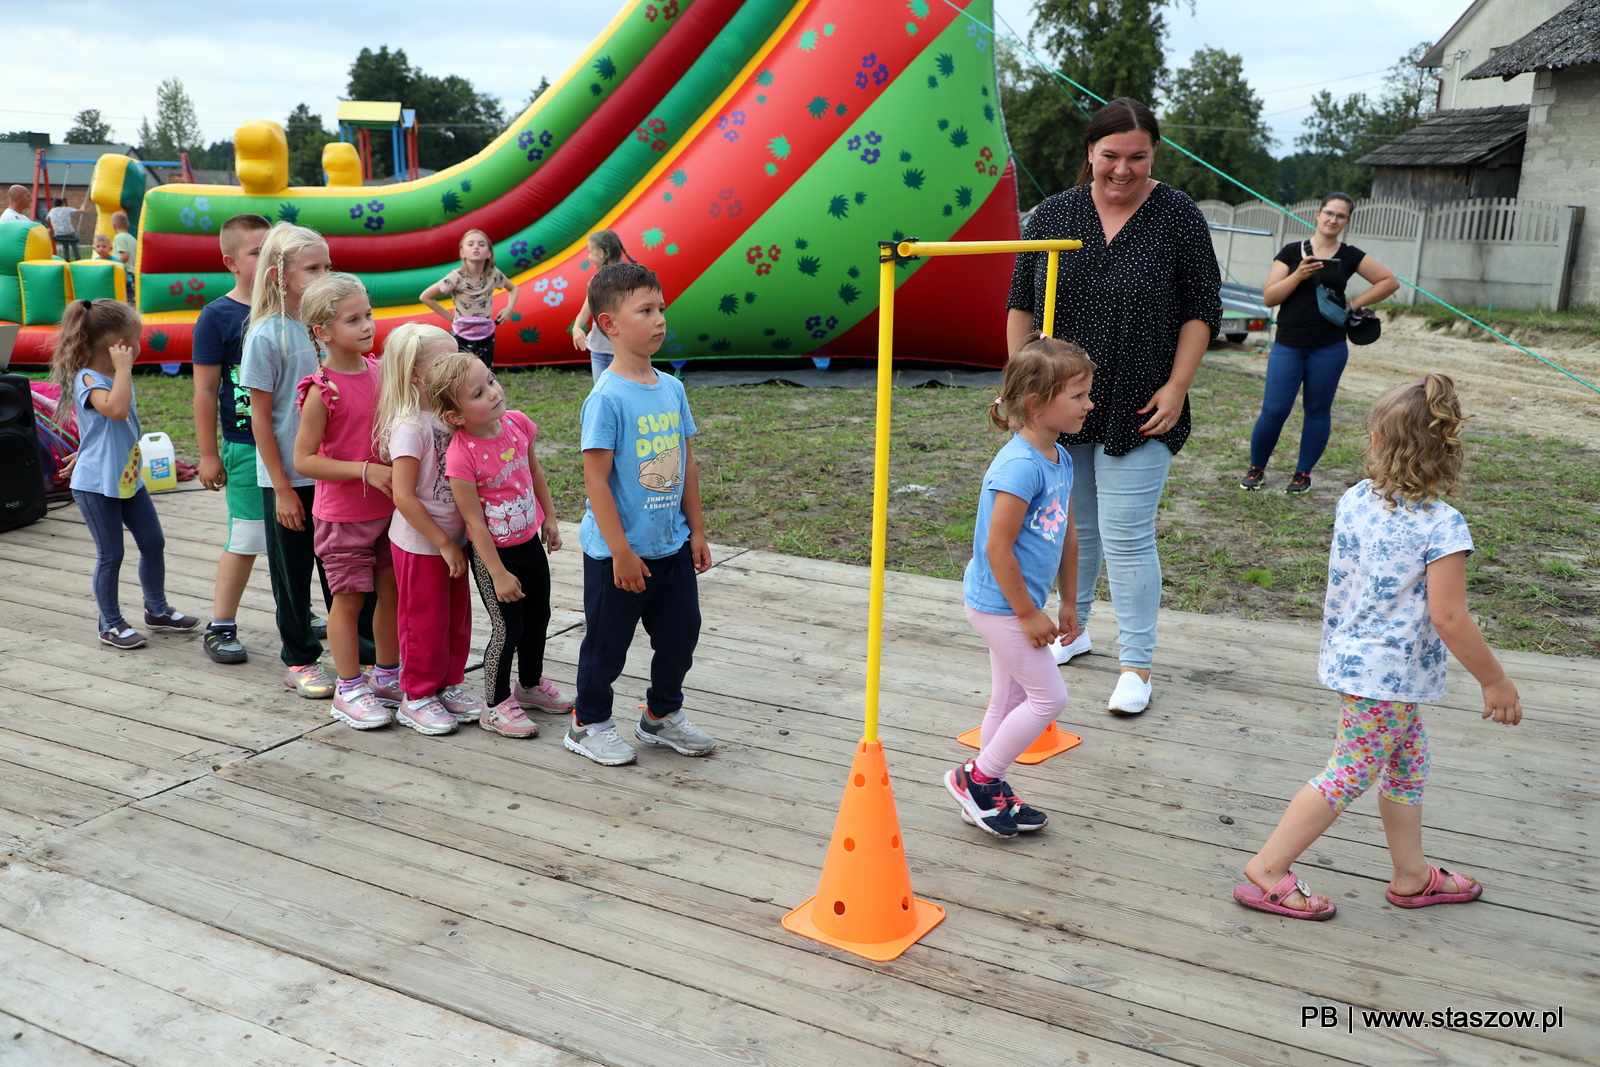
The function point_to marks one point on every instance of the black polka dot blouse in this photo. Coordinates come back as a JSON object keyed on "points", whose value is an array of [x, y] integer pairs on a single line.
{"points": [[1123, 304]]}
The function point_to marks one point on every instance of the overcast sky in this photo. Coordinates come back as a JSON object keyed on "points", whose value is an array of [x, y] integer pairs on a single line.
{"points": [[238, 64]]}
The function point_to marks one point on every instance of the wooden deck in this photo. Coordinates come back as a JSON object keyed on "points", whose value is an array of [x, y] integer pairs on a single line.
{"points": [[204, 869]]}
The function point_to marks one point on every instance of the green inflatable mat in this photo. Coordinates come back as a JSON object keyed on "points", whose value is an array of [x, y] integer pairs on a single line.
{"points": [[98, 279], [10, 299]]}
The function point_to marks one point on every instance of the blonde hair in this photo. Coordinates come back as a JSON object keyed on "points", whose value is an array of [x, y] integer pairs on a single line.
{"points": [[398, 399], [489, 265], [443, 380], [1041, 367], [85, 326], [283, 245], [1414, 452], [319, 304]]}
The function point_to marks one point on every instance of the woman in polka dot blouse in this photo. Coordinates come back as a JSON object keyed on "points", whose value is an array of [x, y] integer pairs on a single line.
{"points": [[1141, 299]]}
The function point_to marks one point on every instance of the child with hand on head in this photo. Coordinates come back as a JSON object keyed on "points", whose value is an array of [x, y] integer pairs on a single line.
{"points": [[351, 508], [1024, 541], [501, 493], [278, 353], [473, 284], [605, 248], [1397, 598], [643, 534], [95, 351], [425, 535], [218, 343]]}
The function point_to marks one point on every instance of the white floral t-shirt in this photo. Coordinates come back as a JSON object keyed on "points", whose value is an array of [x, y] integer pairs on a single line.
{"points": [[1378, 640]]}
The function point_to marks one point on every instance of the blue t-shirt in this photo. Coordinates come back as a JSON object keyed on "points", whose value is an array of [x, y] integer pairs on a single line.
{"points": [[108, 449], [1378, 640], [219, 342], [645, 426], [1020, 469]]}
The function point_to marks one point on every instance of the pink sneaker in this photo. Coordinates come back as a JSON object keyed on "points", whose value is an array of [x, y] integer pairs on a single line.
{"points": [[361, 709], [426, 715], [509, 720], [388, 695], [462, 704], [544, 697]]}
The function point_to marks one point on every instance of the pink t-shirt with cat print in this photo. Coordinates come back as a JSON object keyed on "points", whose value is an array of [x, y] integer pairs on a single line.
{"points": [[499, 466]]}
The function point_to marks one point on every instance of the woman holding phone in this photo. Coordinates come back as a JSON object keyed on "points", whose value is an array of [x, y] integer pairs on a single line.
{"points": [[1310, 351]]}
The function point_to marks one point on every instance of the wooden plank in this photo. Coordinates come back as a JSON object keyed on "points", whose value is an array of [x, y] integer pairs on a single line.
{"points": [[50, 798], [1048, 975], [132, 1020], [326, 1010], [179, 754], [18, 831], [1149, 912], [24, 1045], [535, 987], [90, 768]]}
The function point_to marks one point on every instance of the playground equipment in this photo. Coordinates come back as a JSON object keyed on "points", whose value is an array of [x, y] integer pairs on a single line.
{"points": [[746, 151], [357, 120]]}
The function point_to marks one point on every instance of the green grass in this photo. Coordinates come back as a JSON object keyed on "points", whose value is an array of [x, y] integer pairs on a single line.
{"points": [[1581, 324], [790, 470]]}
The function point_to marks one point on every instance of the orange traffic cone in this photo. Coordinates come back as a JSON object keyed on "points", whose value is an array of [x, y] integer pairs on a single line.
{"points": [[1044, 746], [864, 903]]}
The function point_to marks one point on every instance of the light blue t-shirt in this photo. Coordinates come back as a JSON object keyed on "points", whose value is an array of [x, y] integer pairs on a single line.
{"points": [[1020, 469], [108, 449], [1378, 640], [277, 354], [645, 426]]}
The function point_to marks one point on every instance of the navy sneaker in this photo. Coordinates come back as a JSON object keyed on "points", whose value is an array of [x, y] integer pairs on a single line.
{"points": [[1300, 483], [222, 645], [1253, 478], [982, 804]]}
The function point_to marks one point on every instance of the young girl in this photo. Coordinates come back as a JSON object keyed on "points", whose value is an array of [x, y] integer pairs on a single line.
{"points": [[500, 491], [351, 508], [426, 535], [1397, 598], [277, 354], [1024, 540], [605, 248], [94, 355], [473, 285]]}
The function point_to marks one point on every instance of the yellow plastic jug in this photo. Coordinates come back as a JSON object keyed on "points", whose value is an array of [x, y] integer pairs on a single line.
{"points": [[157, 462]]}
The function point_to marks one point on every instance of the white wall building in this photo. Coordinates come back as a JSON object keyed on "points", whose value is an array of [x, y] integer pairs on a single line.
{"points": [[1482, 30]]}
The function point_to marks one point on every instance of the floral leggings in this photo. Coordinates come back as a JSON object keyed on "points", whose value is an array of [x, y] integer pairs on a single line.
{"points": [[1376, 735]]}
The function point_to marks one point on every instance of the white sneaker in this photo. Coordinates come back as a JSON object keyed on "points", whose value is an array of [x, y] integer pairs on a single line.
{"points": [[1131, 696], [1064, 653]]}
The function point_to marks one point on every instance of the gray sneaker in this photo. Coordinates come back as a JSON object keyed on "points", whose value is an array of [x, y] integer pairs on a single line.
{"points": [[599, 742], [676, 732]]}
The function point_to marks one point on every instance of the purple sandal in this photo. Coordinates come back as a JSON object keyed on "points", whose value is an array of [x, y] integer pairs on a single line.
{"points": [[1431, 895], [1252, 896]]}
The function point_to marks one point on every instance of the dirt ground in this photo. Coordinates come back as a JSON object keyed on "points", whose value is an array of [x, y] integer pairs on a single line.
{"points": [[1506, 388]]}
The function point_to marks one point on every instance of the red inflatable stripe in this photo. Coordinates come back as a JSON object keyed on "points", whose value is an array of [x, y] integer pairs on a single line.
{"points": [[972, 288], [588, 147]]}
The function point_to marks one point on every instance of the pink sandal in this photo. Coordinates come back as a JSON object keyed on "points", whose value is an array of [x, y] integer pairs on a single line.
{"points": [[1431, 895], [1252, 896]]}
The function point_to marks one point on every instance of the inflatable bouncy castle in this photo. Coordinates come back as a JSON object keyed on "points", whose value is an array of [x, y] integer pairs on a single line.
{"points": [[751, 152]]}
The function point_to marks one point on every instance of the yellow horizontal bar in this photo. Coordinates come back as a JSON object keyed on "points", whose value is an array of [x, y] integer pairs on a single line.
{"points": [[369, 111], [974, 248]]}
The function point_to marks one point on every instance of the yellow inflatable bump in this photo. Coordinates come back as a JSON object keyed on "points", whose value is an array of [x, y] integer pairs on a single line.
{"points": [[39, 245], [261, 158], [105, 189], [342, 163]]}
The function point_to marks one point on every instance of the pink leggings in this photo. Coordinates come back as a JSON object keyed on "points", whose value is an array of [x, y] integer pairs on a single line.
{"points": [[1026, 691]]}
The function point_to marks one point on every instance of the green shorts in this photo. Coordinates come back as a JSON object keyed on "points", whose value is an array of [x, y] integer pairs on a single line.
{"points": [[247, 533]]}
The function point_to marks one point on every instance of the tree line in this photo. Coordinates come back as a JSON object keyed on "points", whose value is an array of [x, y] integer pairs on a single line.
{"points": [[1117, 48]]}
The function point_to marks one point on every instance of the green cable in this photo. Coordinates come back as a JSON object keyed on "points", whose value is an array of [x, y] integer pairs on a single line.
{"points": [[1266, 200]]}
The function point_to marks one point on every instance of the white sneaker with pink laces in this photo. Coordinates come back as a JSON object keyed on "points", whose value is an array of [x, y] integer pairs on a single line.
{"points": [[543, 697]]}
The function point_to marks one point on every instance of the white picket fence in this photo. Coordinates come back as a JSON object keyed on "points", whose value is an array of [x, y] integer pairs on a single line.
{"points": [[1499, 252]]}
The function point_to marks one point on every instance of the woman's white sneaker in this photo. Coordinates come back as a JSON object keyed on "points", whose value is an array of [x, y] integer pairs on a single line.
{"points": [[1064, 654], [1131, 696]]}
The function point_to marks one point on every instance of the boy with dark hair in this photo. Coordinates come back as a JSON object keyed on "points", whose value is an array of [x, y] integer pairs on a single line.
{"points": [[218, 344], [642, 534]]}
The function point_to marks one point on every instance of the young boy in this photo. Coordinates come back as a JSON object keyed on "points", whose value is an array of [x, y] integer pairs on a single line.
{"points": [[642, 534], [218, 342], [124, 245], [102, 247]]}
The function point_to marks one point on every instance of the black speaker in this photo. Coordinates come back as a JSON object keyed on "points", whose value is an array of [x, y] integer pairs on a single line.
{"points": [[21, 480]]}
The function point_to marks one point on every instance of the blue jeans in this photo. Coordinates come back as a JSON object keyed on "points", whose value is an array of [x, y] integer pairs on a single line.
{"points": [[1288, 367], [105, 516], [1114, 502], [599, 361]]}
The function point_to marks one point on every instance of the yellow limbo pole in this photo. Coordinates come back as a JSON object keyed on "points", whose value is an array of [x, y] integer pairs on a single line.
{"points": [[880, 486], [1053, 270]]}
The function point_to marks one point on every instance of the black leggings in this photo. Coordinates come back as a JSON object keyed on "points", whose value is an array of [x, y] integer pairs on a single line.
{"points": [[515, 626], [483, 349]]}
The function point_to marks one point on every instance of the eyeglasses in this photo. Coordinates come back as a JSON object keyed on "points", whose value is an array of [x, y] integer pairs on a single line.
{"points": [[1334, 216]]}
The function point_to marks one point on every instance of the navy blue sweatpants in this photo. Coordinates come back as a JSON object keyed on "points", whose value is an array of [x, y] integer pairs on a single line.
{"points": [[669, 607]]}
